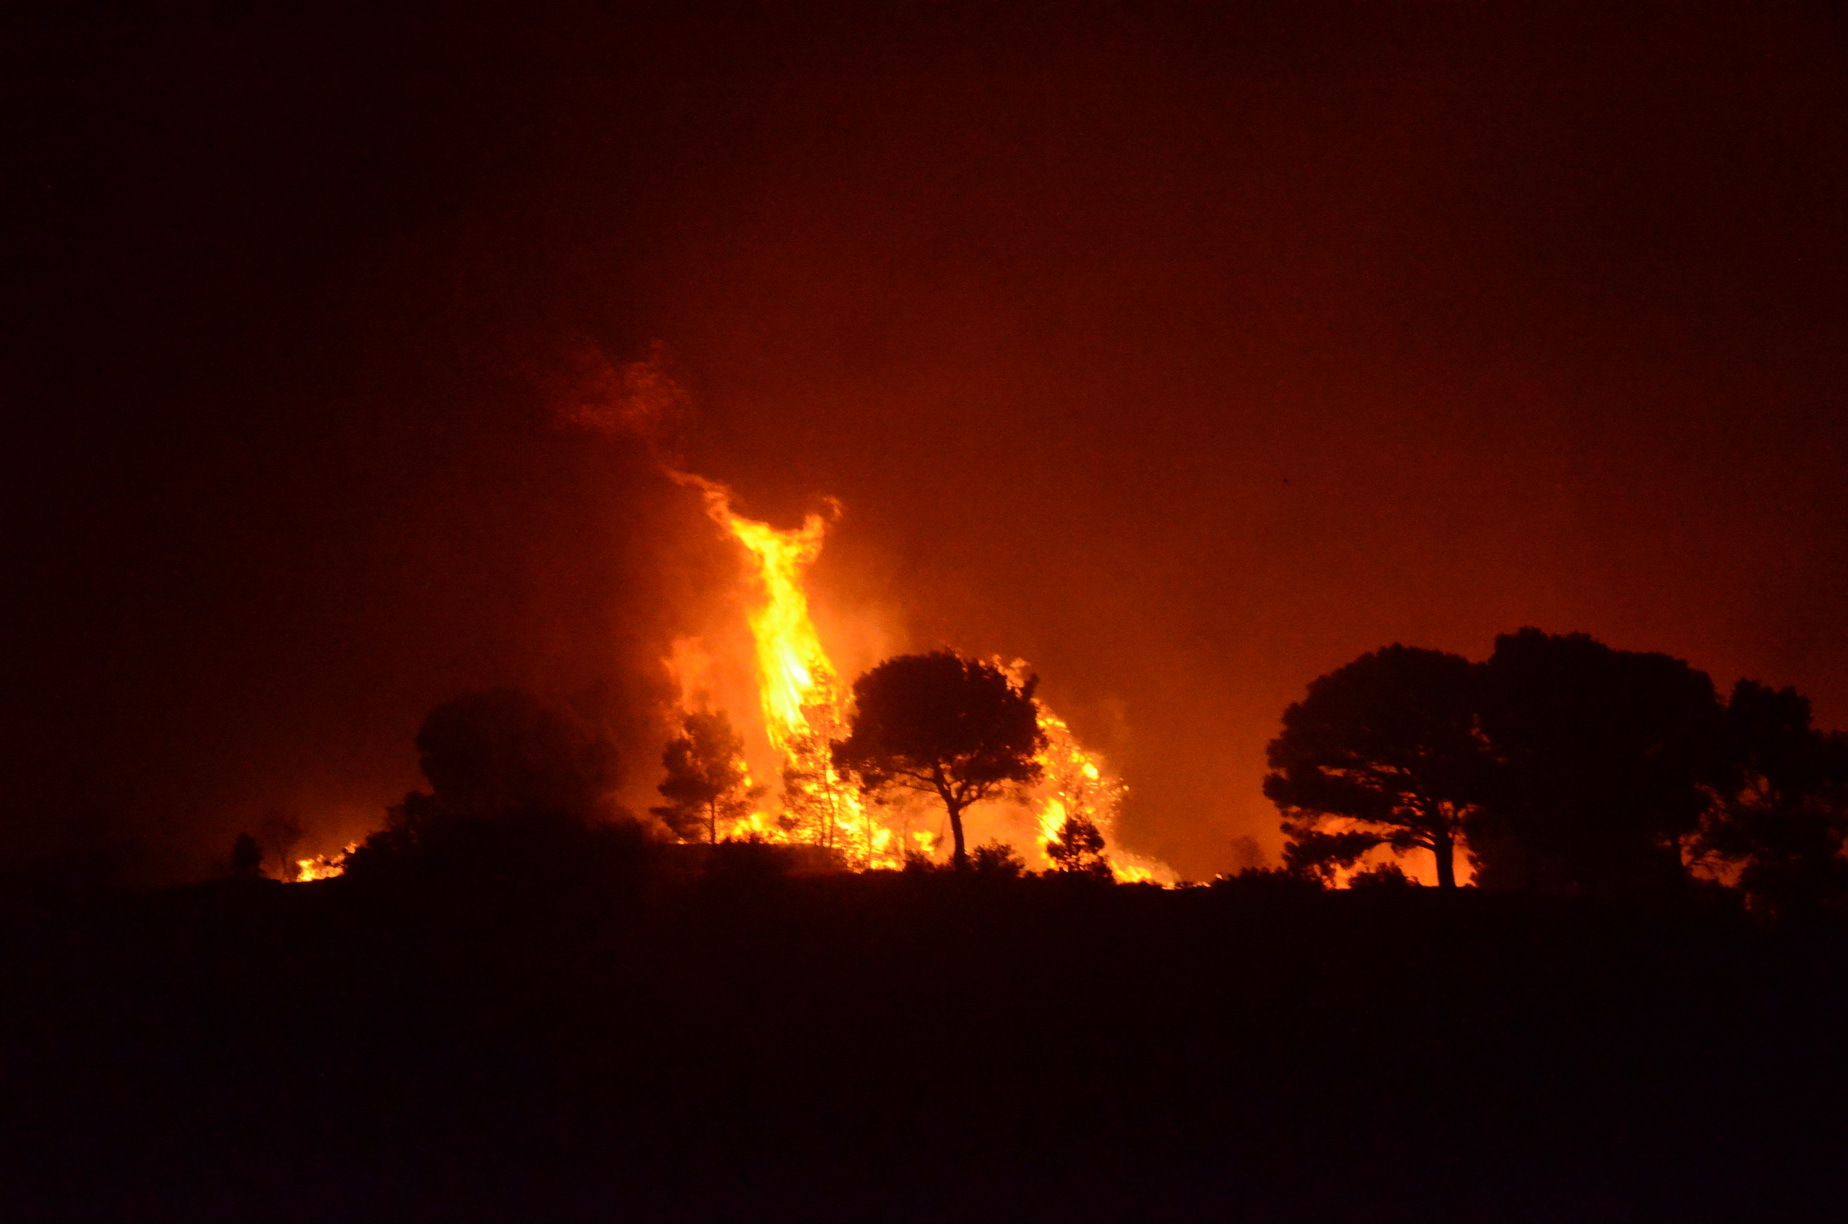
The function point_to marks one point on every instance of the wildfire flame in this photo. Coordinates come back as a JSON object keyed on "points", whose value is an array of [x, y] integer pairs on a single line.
{"points": [[793, 669], [801, 697], [805, 708], [323, 866]]}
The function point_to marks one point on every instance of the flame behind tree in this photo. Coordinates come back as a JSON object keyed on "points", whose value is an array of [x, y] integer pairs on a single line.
{"points": [[707, 780], [1079, 800], [1078, 848], [793, 669], [800, 695], [805, 709], [937, 723], [803, 702], [323, 866], [816, 796]]}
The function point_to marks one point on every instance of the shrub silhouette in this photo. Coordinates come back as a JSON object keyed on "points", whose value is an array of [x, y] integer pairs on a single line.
{"points": [[1381, 877], [997, 861]]}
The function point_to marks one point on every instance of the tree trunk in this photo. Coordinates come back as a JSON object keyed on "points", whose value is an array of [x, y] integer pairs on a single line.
{"points": [[961, 856], [1446, 852], [827, 818]]}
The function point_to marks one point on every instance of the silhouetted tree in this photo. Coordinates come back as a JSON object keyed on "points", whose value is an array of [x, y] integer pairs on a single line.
{"points": [[518, 800], [1387, 750], [814, 795], [1079, 849], [246, 857], [1782, 816], [944, 725], [1608, 761], [707, 780], [502, 751], [1318, 855]]}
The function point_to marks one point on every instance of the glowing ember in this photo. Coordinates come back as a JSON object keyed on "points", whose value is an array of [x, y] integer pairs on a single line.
{"points": [[805, 707]]}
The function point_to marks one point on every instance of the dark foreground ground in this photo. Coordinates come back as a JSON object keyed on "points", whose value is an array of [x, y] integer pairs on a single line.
{"points": [[898, 1048]]}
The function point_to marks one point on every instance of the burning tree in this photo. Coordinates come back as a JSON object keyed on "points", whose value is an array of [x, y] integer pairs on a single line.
{"points": [[1081, 801], [945, 725], [1078, 848], [805, 712], [707, 780], [817, 801]]}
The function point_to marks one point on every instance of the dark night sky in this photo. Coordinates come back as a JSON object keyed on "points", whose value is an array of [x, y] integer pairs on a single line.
{"points": [[1187, 355]]}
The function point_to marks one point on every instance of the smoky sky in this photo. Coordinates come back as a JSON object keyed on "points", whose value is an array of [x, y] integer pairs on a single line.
{"points": [[1187, 352]]}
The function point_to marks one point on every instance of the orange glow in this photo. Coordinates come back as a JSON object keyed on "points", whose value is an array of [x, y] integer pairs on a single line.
{"points": [[801, 699], [323, 866], [1078, 783], [792, 668], [805, 707]]}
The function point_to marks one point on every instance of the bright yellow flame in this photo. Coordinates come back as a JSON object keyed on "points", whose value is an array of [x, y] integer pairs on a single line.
{"points": [[803, 704], [792, 668], [1076, 782], [805, 708], [323, 866]]}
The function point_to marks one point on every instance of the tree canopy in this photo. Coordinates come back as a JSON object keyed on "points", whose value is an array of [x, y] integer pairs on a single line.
{"points": [[501, 751], [1383, 751], [1608, 762], [1782, 815], [942, 724], [519, 795], [707, 780], [1078, 849], [1566, 765]]}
